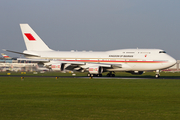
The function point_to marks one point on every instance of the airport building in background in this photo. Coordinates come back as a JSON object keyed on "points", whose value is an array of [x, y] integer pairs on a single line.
{"points": [[16, 65]]}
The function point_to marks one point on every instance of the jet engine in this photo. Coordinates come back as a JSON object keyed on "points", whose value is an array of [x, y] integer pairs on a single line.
{"points": [[57, 67], [95, 70]]}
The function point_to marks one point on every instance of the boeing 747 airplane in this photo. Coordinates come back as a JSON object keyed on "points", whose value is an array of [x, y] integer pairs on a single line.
{"points": [[134, 61]]}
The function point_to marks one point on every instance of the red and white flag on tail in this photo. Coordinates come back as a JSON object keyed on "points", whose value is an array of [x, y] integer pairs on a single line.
{"points": [[29, 36]]}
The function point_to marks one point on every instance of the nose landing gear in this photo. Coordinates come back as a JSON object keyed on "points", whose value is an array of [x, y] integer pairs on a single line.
{"points": [[157, 74]]}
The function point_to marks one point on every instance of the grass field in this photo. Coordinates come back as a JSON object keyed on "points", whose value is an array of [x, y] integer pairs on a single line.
{"points": [[118, 74], [87, 99]]}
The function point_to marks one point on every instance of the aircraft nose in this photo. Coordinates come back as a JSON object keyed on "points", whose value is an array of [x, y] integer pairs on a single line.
{"points": [[172, 61]]}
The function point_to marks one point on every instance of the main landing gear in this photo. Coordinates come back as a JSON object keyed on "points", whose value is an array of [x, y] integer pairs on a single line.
{"points": [[110, 74], [157, 74], [94, 75]]}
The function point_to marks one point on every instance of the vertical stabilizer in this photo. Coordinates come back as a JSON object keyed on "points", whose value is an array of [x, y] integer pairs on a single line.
{"points": [[32, 40]]}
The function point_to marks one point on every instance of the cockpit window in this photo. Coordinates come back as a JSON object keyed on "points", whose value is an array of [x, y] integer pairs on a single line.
{"points": [[162, 51]]}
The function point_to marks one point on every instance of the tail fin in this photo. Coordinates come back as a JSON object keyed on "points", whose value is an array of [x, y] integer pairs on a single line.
{"points": [[32, 40], [5, 56]]}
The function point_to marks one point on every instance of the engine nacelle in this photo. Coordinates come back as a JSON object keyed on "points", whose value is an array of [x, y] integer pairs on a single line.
{"points": [[40, 64], [136, 72], [95, 70], [57, 67]]}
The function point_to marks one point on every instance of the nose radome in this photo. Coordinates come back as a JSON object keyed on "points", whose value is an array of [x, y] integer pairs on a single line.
{"points": [[172, 61]]}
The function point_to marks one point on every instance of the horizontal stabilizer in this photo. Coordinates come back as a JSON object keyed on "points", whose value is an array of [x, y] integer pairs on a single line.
{"points": [[21, 53]]}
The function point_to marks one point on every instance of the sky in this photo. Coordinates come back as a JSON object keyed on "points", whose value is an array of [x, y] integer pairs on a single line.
{"points": [[97, 25]]}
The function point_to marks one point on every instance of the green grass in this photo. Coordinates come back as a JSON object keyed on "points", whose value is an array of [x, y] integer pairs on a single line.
{"points": [[118, 74], [87, 99]]}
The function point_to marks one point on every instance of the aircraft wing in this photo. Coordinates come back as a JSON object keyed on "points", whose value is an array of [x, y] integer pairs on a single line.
{"points": [[80, 66], [34, 60], [52, 61]]}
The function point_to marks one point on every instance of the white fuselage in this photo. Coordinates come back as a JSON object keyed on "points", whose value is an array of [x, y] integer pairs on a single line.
{"points": [[127, 59]]}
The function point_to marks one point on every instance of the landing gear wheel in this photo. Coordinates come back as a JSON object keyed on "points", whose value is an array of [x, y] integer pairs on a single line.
{"points": [[110, 75], [94, 75], [88, 74], [157, 75], [99, 75]]}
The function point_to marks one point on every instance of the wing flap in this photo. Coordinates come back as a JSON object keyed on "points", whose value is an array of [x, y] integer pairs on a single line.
{"points": [[34, 60]]}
